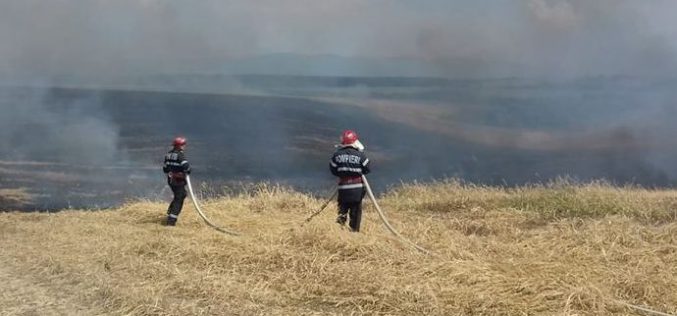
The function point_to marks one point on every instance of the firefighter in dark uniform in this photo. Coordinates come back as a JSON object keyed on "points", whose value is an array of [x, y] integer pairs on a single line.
{"points": [[176, 167], [349, 163]]}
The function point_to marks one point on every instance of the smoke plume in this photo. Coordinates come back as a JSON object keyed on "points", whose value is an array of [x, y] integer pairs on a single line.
{"points": [[51, 126], [514, 91], [461, 39]]}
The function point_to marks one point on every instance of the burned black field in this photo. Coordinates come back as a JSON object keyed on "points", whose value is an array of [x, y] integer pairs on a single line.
{"points": [[94, 148]]}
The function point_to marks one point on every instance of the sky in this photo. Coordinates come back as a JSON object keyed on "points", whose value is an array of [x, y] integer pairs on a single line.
{"points": [[480, 38]]}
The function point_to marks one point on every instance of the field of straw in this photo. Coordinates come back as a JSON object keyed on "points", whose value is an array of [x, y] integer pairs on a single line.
{"points": [[558, 249]]}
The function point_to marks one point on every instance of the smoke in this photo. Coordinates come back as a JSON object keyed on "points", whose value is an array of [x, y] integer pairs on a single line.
{"points": [[193, 46], [558, 16], [557, 39], [542, 38], [587, 38], [51, 126]]}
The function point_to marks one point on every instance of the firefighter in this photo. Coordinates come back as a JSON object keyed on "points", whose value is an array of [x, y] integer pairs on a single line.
{"points": [[349, 163], [176, 167]]}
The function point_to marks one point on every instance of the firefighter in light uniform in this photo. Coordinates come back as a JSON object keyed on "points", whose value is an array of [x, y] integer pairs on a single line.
{"points": [[349, 163], [176, 167]]}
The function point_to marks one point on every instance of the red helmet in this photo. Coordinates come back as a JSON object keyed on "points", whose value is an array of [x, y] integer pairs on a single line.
{"points": [[179, 141], [348, 137]]}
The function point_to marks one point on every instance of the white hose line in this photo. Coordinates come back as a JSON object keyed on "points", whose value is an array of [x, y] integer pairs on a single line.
{"points": [[385, 220], [322, 208], [392, 230], [199, 211], [643, 309]]}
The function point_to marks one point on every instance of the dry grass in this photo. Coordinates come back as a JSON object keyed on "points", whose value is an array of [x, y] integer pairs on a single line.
{"points": [[559, 249]]}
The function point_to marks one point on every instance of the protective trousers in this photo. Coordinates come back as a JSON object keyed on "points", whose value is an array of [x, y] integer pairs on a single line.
{"points": [[355, 211], [177, 203]]}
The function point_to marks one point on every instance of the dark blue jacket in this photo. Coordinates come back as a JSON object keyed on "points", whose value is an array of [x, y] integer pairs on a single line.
{"points": [[176, 167], [349, 164]]}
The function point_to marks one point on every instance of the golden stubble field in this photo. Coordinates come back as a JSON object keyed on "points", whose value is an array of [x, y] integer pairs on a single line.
{"points": [[558, 249]]}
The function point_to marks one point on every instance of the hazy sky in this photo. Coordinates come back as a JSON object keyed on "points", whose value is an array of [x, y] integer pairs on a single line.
{"points": [[494, 37]]}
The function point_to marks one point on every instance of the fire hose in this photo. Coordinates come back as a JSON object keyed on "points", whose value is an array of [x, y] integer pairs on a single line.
{"points": [[387, 224], [381, 215], [643, 309], [419, 248], [322, 208], [204, 217]]}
